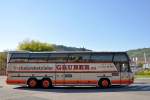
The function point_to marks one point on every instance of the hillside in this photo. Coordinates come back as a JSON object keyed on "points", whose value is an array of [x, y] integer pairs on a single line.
{"points": [[66, 48], [132, 53], [139, 52]]}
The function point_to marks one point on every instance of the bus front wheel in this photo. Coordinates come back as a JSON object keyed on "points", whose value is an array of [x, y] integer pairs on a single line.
{"points": [[104, 83]]}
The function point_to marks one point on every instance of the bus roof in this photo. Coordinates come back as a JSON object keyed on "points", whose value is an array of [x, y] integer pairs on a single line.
{"points": [[68, 52]]}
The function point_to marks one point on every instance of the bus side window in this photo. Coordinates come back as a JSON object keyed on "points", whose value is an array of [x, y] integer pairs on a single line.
{"points": [[124, 67], [79, 57], [101, 57], [38, 57], [73, 59], [118, 66], [58, 57]]}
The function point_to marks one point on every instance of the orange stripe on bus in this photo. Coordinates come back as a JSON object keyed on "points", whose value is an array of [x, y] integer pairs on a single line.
{"points": [[90, 81], [73, 82], [16, 81]]}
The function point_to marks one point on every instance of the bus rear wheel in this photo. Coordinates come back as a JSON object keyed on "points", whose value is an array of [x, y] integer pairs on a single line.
{"points": [[104, 83], [46, 83], [32, 83]]}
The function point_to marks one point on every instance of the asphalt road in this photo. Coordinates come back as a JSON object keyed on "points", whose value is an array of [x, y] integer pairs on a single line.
{"points": [[140, 90]]}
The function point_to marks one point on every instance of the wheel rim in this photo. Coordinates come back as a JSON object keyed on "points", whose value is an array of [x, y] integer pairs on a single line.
{"points": [[45, 83], [105, 83], [32, 83]]}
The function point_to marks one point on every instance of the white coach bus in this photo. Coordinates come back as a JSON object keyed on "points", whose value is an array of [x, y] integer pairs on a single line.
{"points": [[47, 69]]}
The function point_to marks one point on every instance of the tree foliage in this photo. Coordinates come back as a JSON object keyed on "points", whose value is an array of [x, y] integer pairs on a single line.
{"points": [[140, 64], [3, 60], [35, 46]]}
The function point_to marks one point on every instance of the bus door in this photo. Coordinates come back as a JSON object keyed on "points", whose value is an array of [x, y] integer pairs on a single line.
{"points": [[124, 74], [59, 74]]}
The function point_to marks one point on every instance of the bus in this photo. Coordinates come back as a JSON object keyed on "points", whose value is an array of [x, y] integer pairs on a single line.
{"points": [[68, 68]]}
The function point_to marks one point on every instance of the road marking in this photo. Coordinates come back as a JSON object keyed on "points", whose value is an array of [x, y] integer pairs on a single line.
{"points": [[146, 88], [133, 87], [140, 87]]}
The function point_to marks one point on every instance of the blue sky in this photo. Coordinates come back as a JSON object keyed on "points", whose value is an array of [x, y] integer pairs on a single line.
{"points": [[101, 25]]}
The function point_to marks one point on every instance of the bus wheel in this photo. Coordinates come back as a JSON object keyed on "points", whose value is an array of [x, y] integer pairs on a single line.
{"points": [[104, 83], [46, 83], [32, 83]]}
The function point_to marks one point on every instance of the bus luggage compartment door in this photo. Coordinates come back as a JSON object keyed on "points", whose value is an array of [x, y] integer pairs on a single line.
{"points": [[59, 74]]}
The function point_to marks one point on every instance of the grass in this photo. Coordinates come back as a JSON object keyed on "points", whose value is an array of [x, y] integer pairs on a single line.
{"points": [[142, 76]]}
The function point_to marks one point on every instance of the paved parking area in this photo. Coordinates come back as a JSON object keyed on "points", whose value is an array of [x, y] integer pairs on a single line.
{"points": [[138, 91]]}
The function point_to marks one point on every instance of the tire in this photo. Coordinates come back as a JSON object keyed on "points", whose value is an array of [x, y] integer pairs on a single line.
{"points": [[104, 83], [32, 83], [46, 83]]}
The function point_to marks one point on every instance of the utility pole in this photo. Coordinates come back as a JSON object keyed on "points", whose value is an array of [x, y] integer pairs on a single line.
{"points": [[136, 60], [145, 60]]}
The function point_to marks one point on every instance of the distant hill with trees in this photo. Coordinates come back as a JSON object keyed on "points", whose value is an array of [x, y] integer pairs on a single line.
{"points": [[66, 48], [35, 46], [139, 54]]}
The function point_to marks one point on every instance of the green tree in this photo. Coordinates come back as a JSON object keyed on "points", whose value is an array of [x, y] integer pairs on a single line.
{"points": [[35, 46], [3, 60], [140, 64]]}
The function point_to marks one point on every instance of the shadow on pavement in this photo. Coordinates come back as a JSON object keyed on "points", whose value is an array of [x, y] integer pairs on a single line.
{"points": [[89, 89]]}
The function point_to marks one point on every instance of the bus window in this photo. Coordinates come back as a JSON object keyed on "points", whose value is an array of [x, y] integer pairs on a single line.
{"points": [[122, 67], [83, 57], [118, 66], [19, 57], [98, 57], [58, 57], [38, 57], [120, 58]]}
